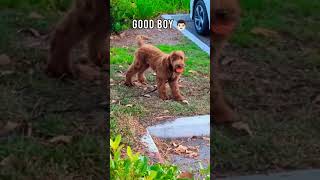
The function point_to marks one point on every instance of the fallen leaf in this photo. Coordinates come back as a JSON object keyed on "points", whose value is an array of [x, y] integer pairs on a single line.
{"points": [[181, 149], [7, 161], [4, 73], [32, 31], [4, 60], [87, 72], [121, 75], [166, 111], [192, 154], [317, 100], [242, 126], [162, 117], [185, 175], [193, 72], [35, 15], [227, 61], [122, 35], [206, 138], [10, 126], [264, 32], [104, 103], [61, 139], [29, 132]]}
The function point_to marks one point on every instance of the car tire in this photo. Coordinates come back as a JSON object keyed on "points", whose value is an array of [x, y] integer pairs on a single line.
{"points": [[201, 21]]}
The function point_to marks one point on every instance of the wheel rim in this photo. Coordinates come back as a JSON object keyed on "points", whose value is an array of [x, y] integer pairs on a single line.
{"points": [[199, 17]]}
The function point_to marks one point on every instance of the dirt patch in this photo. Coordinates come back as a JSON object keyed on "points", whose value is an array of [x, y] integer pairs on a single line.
{"points": [[158, 36]]}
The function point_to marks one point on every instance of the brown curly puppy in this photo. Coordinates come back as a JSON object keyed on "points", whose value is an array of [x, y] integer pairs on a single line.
{"points": [[168, 68], [225, 17], [86, 19]]}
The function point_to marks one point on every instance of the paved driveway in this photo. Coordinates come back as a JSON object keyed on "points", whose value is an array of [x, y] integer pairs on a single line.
{"points": [[202, 41]]}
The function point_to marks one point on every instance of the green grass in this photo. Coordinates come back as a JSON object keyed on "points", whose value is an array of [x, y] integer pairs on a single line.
{"points": [[275, 83], [42, 5], [195, 77], [289, 17], [123, 11]]}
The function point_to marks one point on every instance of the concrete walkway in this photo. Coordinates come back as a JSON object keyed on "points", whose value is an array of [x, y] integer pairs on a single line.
{"points": [[313, 174], [182, 129]]}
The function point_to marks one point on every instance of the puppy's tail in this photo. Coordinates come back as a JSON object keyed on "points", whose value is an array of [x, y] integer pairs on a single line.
{"points": [[140, 40]]}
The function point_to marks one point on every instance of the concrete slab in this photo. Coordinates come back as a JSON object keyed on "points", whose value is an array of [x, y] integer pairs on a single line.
{"points": [[202, 41], [313, 174], [182, 127], [186, 164]]}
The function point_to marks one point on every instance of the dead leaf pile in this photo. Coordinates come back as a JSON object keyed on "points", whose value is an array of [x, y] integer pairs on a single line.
{"points": [[188, 151], [185, 175]]}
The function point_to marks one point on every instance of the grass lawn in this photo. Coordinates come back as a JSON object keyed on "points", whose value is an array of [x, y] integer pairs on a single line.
{"points": [[129, 105], [274, 83], [40, 108]]}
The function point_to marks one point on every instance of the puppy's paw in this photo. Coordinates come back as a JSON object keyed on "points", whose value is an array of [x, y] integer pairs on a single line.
{"points": [[185, 102], [128, 83], [163, 97], [180, 98], [60, 71]]}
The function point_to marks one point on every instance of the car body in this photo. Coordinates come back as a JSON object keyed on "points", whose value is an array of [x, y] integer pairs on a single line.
{"points": [[203, 18]]}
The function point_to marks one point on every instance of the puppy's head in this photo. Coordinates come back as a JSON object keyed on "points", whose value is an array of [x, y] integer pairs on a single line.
{"points": [[226, 15], [177, 61]]}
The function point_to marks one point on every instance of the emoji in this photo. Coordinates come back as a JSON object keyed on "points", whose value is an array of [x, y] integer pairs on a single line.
{"points": [[181, 25]]}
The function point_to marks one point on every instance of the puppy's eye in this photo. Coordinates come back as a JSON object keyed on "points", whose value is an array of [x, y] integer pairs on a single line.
{"points": [[222, 14]]}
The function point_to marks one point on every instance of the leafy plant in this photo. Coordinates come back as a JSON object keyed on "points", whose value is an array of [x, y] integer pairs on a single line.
{"points": [[123, 11], [135, 166]]}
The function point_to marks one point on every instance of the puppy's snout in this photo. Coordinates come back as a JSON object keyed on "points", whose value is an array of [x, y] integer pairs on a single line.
{"points": [[180, 66]]}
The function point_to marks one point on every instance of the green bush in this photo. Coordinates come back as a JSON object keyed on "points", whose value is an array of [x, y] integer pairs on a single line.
{"points": [[135, 166], [124, 11], [43, 5]]}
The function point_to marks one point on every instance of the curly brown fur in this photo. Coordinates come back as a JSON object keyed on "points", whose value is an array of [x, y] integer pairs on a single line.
{"points": [[86, 19], [225, 17], [167, 67]]}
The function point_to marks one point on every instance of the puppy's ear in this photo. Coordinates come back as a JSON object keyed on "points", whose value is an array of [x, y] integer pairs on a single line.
{"points": [[177, 55], [167, 61]]}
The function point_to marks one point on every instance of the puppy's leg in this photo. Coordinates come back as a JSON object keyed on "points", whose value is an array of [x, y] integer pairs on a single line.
{"points": [[222, 112], [141, 77], [97, 43], [68, 33], [175, 90], [161, 85], [130, 73]]}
